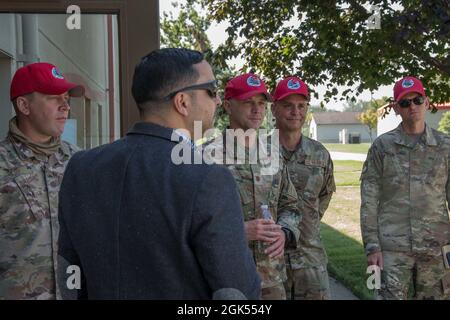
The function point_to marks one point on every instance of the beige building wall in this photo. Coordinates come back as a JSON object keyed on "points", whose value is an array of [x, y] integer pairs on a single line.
{"points": [[81, 55]]}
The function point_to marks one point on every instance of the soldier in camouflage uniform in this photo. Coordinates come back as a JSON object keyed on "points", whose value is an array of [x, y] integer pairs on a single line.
{"points": [[245, 102], [405, 190], [32, 162], [311, 170]]}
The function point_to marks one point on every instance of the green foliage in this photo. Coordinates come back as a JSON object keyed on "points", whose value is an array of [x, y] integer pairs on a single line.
{"points": [[318, 108], [360, 105], [328, 42], [352, 106], [444, 124], [188, 30], [370, 116]]}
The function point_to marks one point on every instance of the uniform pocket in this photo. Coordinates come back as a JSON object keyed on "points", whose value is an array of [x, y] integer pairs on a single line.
{"points": [[246, 196], [437, 165], [315, 179], [17, 219], [247, 202], [391, 165], [32, 191]]}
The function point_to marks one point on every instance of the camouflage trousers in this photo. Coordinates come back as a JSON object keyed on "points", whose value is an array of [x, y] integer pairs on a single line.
{"points": [[307, 284], [273, 293], [409, 275]]}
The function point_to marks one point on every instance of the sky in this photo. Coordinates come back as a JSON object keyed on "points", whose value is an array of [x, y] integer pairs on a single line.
{"points": [[218, 35]]}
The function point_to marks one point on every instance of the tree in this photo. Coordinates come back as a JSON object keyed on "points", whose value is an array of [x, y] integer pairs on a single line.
{"points": [[306, 124], [318, 108], [359, 106], [444, 124], [188, 30], [328, 42], [369, 117]]}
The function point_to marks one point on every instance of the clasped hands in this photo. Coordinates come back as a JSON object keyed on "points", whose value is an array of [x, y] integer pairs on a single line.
{"points": [[268, 231]]}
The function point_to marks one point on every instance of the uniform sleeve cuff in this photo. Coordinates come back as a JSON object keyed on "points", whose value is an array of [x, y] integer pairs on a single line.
{"points": [[290, 242]]}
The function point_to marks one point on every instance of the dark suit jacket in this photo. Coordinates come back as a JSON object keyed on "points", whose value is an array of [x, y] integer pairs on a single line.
{"points": [[141, 227]]}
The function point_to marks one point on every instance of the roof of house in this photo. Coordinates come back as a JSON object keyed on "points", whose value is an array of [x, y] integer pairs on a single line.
{"points": [[443, 106], [336, 117]]}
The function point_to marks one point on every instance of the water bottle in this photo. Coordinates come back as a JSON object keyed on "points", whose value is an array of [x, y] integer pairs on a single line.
{"points": [[268, 216], [266, 212]]}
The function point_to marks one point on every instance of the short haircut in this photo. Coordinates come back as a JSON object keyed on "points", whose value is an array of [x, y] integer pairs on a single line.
{"points": [[163, 71]]}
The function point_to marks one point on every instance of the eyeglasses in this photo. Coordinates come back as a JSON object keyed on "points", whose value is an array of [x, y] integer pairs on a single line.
{"points": [[405, 103], [210, 87]]}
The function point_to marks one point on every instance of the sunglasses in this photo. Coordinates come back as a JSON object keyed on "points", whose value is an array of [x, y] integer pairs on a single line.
{"points": [[405, 103], [210, 87]]}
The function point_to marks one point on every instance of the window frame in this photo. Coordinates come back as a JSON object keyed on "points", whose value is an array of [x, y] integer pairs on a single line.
{"points": [[137, 20]]}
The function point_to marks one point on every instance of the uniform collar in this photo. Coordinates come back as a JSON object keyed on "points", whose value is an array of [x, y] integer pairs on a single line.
{"points": [[64, 152], [25, 153], [305, 145], [302, 150], [403, 139], [151, 129], [240, 152]]}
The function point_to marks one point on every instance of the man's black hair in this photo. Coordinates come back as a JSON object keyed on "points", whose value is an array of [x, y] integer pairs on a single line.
{"points": [[163, 71]]}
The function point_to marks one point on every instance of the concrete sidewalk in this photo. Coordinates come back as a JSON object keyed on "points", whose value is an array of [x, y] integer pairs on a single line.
{"points": [[348, 156], [339, 292]]}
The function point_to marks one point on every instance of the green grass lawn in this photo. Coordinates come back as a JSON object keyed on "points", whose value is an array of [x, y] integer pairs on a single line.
{"points": [[347, 261], [347, 172], [352, 148], [341, 232]]}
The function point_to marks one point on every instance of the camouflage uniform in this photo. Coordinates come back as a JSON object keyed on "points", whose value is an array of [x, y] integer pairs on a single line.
{"points": [[311, 171], [405, 189], [29, 186], [278, 192]]}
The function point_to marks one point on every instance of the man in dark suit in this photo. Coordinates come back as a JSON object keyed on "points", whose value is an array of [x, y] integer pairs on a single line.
{"points": [[134, 225]]}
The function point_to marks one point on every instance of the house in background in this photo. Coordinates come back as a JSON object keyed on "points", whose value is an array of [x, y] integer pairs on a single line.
{"points": [[390, 121], [338, 127]]}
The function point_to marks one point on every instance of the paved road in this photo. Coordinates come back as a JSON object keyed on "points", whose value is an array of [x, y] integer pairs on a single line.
{"points": [[339, 292], [348, 156]]}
